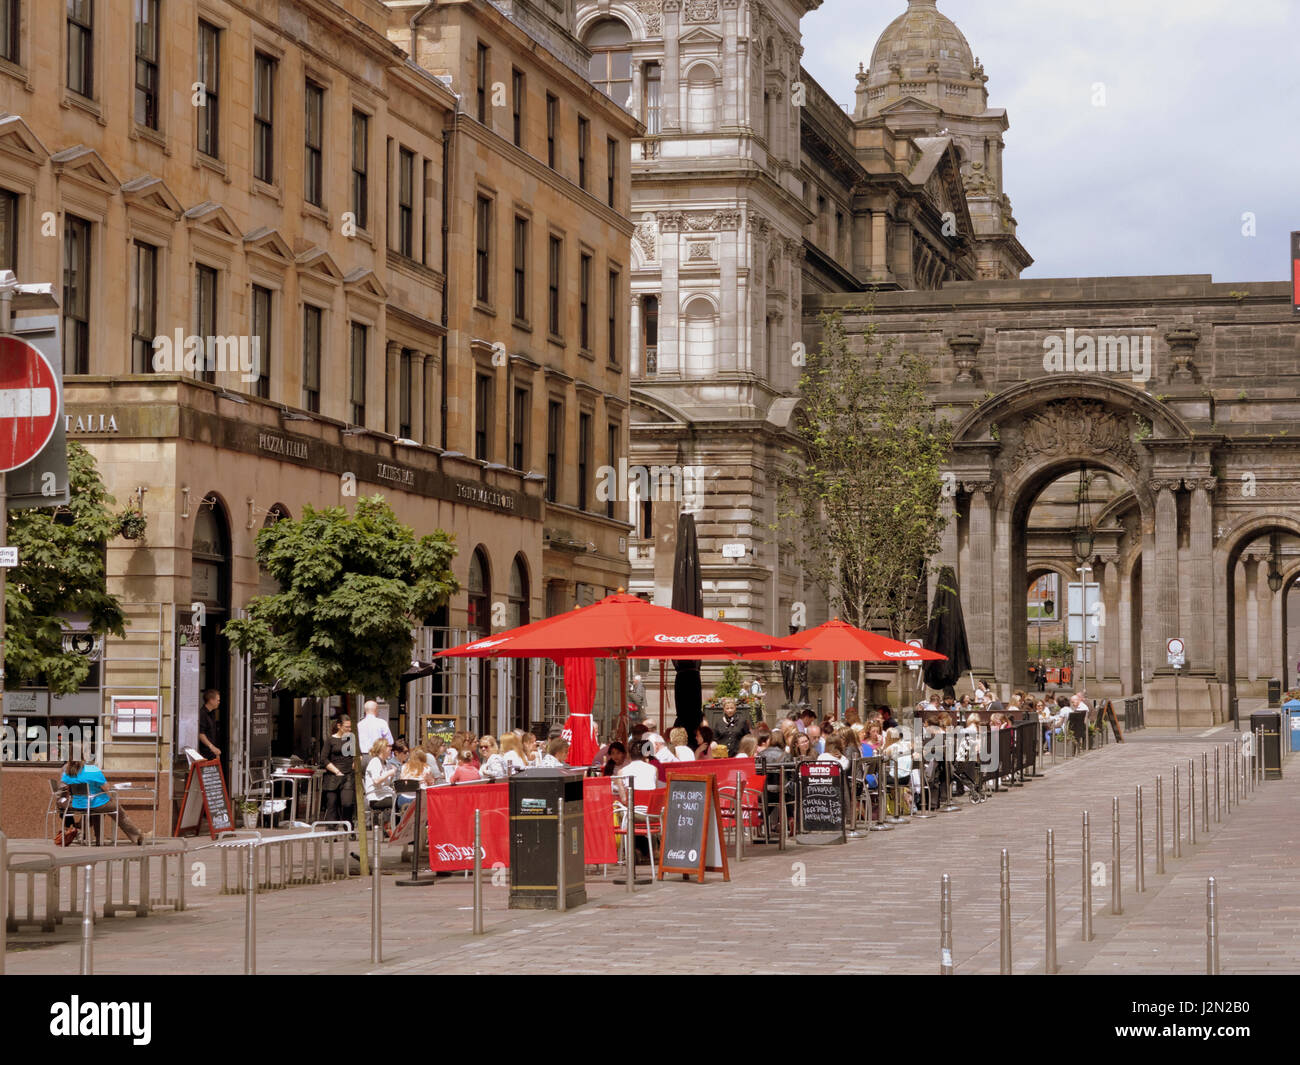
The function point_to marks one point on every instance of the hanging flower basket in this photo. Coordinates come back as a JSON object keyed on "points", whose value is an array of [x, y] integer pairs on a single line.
{"points": [[132, 524]]}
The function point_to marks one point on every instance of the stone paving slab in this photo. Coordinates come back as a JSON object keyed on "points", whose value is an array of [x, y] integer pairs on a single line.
{"points": [[870, 906]]}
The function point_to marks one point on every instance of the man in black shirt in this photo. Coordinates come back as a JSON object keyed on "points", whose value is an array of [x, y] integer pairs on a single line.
{"points": [[208, 724]]}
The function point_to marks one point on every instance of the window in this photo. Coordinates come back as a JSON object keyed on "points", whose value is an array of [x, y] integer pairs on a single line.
{"points": [[701, 328], [81, 47], [406, 202], [481, 82], [360, 169], [483, 417], [519, 429], [652, 99], [144, 312], [314, 139], [552, 128], [262, 337], [610, 42], [146, 63], [76, 295], [584, 142], [554, 265], [209, 75], [584, 303], [615, 279], [612, 458], [483, 250], [699, 99], [205, 317], [404, 427], [554, 444], [264, 118], [311, 357], [650, 331], [517, 105], [611, 169], [584, 459], [521, 269], [357, 376], [10, 24], [8, 230]]}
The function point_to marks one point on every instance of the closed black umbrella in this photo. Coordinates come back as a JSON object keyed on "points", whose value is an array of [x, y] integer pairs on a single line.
{"points": [[947, 635], [688, 597]]}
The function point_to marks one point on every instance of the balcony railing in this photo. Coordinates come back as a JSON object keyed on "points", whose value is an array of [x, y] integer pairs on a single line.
{"points": [[651, 361]]}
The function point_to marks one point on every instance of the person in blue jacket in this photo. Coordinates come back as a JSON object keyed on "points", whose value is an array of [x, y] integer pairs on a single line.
{"points": [[99, 800]]}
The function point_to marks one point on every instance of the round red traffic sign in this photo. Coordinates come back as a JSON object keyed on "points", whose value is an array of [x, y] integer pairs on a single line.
{"points": [[29, 403]]}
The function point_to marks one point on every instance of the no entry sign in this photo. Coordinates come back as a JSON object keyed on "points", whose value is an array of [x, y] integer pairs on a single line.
{"points": [[29, 403]]}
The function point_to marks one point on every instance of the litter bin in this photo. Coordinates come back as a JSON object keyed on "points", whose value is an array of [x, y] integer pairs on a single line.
{"points": [[1292, 722], [535, 839], [1269, 722], [1274, 693]]}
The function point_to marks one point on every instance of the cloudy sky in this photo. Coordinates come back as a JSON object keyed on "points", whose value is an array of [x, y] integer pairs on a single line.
{"points": [[1200, 125]]}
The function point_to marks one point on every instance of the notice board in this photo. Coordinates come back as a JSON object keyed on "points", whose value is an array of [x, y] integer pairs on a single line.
{"points": [[692, 842], [821, 798], [205, 796]]}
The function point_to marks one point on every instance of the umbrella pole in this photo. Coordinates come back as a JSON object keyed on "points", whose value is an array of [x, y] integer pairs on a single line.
{"points": [[661, 697], [622, 695]]}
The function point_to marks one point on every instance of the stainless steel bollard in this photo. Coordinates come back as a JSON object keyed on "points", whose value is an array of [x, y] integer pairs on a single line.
{"points": [[740, 817], [945, 926], [376, 891], [629, 835], [478, 872], [1006, 914], [1227, 778], [1211, 928], [87, 922], [250, 912], [782, 808], [1236, 770], [1050, 900], [1116, 897], [1160, 825], [560, 867], [1191, 801], [1087, 880], [1205, 793], [1178, 825], [1218, 796], [1141, 880]]}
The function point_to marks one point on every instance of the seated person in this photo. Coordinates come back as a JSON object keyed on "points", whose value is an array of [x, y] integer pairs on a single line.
{"points": [[416, 768], [748, 745], [615, 759], [379, 793], [557, 753], [834, 753], [467, 769], [101, 804], [644, 775], [677, 739]]}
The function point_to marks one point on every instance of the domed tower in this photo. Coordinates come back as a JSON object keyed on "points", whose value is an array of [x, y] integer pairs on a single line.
{"points": [[924, 81]]}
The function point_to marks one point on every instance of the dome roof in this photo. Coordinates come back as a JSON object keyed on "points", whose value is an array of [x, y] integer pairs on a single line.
{"points": [[922, 37]]}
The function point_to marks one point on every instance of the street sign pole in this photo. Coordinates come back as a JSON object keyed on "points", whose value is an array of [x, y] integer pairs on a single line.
{"points": [[1176, 652], [1178, 710]]}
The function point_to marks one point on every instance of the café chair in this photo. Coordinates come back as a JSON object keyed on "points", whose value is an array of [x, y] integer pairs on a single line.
{"points": [[647, 819], [751, 807]]}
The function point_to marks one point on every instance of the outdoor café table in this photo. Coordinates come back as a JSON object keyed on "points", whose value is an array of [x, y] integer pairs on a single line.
{"points": [[290, 783]]}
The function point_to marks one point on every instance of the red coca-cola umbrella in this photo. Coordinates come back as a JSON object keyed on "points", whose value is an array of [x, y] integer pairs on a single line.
{"points": [[619, 626]]}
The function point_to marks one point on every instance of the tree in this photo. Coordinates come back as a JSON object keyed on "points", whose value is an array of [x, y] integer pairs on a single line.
{"points": [[352, 586], [866, 474], [60, 574], [728, 686]]}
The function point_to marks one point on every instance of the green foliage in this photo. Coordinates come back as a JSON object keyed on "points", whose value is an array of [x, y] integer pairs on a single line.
{"points": [[1061, 651], [60, 573], [867, 477], [728, 687], [352, 586], [1143, 430]]}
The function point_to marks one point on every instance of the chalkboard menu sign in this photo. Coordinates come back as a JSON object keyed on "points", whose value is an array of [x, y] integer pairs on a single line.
{"points": [[692, 841], [821, 798], [259, 723], [205, 795]]}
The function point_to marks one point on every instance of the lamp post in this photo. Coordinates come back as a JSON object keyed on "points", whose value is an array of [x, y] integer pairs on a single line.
{"points": [[1083, 572]]}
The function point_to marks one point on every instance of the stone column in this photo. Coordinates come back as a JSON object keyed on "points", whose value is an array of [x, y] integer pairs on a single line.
{"points": [[1265, 657], [634, 337], [977, 591], [947, 555], [673, 86], [879, 245], [421, 214], [1165, 618], [393, 178], [1108, 642], [392, 378], [733, 100], [1200, 624], [1251, 565], [670, 242], [417, 397]]}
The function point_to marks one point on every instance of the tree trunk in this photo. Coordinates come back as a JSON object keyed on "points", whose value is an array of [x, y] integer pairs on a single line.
{"points": [[358, 776]]}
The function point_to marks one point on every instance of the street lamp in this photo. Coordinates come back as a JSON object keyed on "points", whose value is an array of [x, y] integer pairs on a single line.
{"points": [[1274, 566], [1083, 572], [1081, 536]]}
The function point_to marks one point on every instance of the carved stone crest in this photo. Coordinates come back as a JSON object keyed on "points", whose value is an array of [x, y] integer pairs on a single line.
{"points": [[647, 234], [651, 15], [1080, 427], [701, 11]]}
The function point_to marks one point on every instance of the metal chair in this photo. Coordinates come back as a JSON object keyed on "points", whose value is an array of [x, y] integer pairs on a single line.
{"points": [[87, 813], [647, 818]]}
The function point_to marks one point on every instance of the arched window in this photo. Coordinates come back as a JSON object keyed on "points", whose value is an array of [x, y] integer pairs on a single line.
{"points": [[517, 614], [479, 623], [652, 98], [210, 585], [701, 337], [699, 99], [266, 584], [610, 42], [480, 593]]}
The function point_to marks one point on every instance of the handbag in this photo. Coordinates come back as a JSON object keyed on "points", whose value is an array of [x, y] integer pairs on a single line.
{"points": [[67, 835]]}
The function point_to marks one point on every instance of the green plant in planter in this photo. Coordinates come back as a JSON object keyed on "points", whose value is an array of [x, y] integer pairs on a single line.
{"points": [[132, 523], [729, 686]]}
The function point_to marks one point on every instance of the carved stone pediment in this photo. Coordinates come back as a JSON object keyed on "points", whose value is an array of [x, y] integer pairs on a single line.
{"points": [[1076, 427]]}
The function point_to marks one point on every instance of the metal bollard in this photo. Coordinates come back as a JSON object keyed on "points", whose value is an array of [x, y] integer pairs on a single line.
{"points": [[740, 817], [878, 824], [250, 912], [1191, 801], [1141, 881], [1205, 793], [376, 891], [4, 898], [630, 832], [559, 868], [1006, 914], [1236, 771], [1227, 778], [1178, 825], [1160, 825], [1050, 892], [88, 923], [945, 926], [781, 807], [1116, 898], [1087, 880], [1218, 809], [1211, 928], [478, 872]]}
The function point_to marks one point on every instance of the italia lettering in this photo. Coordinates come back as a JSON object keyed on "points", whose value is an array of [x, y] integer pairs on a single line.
{"points": [[90, 423]]}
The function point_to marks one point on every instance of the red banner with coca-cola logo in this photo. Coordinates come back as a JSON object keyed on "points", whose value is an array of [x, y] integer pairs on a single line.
{"points": [[451, 824]]}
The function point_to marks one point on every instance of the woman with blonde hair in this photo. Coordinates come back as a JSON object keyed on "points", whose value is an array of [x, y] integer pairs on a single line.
{"points": [[512, 752], [677, 741], [379, 795], [492, 765]]}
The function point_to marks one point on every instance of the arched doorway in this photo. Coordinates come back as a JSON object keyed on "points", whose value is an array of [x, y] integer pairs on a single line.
{"points": [[479, 623], [521, 669], [210, 586]]}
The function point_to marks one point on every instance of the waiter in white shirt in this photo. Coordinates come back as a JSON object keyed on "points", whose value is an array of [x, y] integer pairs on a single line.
{"points": [[372, 727]]}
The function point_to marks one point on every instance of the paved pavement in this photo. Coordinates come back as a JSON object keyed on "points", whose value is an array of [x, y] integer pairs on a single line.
{"points": [[870, 906]]}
